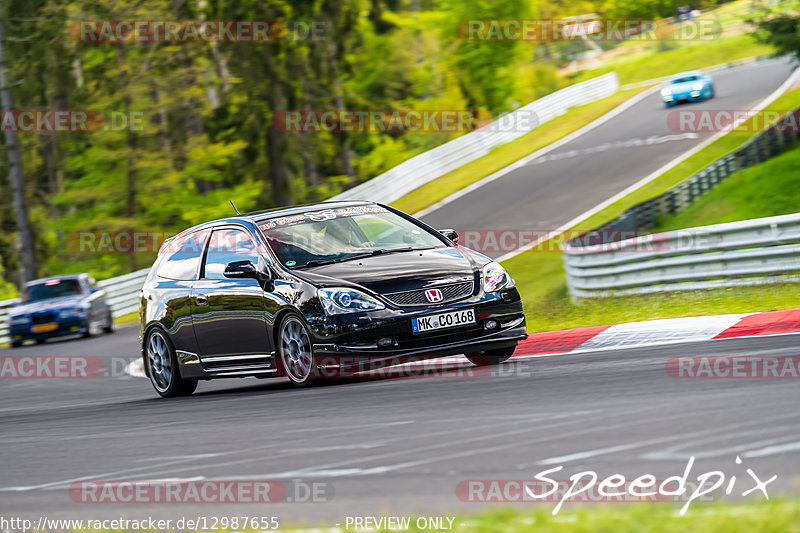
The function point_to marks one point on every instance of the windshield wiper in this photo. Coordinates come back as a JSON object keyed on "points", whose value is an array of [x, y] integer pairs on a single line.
{"points": [[318, 262], [392, 251]]}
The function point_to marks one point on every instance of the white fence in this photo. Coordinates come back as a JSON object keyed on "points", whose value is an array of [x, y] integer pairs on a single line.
{"points": [[749, 252], [437, 162], [121, 294]]}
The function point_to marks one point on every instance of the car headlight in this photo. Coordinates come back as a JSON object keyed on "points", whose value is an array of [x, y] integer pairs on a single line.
{"points": [[20, 320], [71, 313], [338, 301], [495, 278], [697, 86], [665, 92]]}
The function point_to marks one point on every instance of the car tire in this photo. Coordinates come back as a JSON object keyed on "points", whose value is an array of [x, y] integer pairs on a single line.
{"points": [[40, 341], [491, 357], [295, 352], [162, 366], [16, 344]]}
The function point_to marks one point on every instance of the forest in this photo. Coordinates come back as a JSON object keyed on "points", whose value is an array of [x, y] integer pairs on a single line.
{"points": [[169, 131]]}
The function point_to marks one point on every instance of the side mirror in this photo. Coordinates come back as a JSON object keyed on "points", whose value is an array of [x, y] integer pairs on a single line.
{"points": [[450, 234], [244, 269]]}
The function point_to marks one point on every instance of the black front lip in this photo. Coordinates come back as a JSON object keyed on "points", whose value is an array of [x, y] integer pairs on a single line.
{"points": [[513, 334], [358, 334]]}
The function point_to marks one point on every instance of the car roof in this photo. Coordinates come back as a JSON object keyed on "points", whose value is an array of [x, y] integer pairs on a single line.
{"points": [[283, 211], [687, 73], [64, 276], [272, 213]]}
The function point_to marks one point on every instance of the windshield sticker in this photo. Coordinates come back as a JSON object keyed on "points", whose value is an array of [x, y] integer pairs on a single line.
{"points": [[321, 216], [290, 263]]}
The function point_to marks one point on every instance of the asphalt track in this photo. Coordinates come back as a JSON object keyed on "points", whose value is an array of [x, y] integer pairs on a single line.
{"points": [[553, 189], [394, 445], [402, 445]]}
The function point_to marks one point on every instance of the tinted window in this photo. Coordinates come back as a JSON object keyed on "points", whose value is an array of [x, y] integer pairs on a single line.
{"points": [[181, 256], [337, 234], [53, 288], [228, 245], [685, 79]]}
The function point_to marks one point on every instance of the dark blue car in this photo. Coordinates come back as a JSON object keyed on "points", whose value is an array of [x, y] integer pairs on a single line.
{"points": [[63, 305]]}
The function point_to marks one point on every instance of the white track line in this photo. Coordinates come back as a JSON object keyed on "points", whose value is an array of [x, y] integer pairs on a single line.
{"points": [[793, 77], [549, 148]]}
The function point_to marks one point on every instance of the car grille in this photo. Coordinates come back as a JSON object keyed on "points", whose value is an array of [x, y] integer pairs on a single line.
{"points": [[43, 317], [450, 293]]}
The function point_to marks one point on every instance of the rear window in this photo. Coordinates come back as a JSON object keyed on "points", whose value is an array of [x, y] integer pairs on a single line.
{"points": [[181, 256]]}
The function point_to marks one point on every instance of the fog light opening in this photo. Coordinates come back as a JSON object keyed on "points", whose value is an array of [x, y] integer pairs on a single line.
{"points": [[385, 342], [490, 324]]}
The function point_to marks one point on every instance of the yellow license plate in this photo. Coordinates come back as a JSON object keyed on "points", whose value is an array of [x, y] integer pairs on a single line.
{"points": [[44, 328]]}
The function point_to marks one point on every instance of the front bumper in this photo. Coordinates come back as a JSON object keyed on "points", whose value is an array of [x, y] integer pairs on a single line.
{"points": [[690, 96], [67, 326], [357, 337]]}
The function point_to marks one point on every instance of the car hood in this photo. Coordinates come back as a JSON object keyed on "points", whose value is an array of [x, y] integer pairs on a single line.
{"points": [[51, 304], [397, 272]]}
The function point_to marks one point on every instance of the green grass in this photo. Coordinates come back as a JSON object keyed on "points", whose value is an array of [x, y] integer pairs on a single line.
{"points": [[722, 146], [127, 320], [540, 274], [775, 516], [769, 189], [636, 61], [647, 62], [504, 155], [633, 62]]}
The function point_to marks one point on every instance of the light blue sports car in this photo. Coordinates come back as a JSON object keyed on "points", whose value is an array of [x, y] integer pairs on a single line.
{"points": [[691, 86]]}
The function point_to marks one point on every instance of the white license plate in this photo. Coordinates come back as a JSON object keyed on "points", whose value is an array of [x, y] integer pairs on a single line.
{"points": [[443, 320]]}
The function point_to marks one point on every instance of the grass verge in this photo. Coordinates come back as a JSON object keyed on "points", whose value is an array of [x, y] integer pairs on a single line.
{"points": [[648, 62], [769, 189], [504, 155], [634, 64], [127, 320], [540, 274], [774, 516]]}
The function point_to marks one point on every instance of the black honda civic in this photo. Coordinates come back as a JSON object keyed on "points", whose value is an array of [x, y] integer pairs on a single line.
{"points": [[295, 291]]}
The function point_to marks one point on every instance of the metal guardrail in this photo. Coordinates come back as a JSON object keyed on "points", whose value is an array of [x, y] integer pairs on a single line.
{"points": [[121, 294], [437, 162], [762, 250], [741, 253], [644, 216]]}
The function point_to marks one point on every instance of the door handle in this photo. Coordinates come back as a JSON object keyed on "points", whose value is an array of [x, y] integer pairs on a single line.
{"points": [[202, 299]]}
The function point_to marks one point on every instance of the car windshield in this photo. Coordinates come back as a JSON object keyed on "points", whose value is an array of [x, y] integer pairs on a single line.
{"points": [[685, 79], [340, 234], [53, 288]]}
